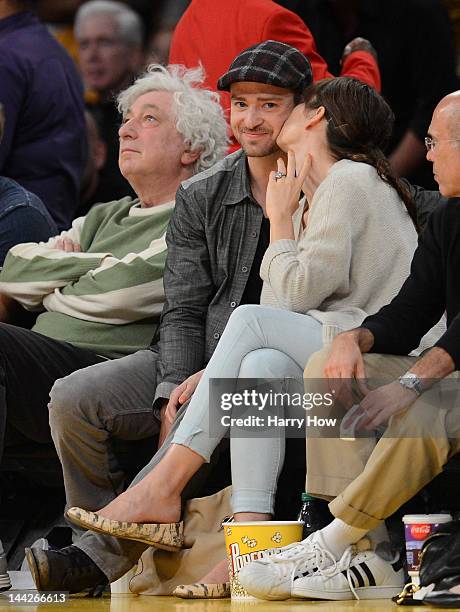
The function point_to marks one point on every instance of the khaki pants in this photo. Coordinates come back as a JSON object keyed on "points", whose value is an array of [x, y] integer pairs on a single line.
{"points": [[370, 480]]}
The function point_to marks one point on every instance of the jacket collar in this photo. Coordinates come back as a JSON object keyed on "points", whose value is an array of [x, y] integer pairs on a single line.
{"points": [[239, 188]]}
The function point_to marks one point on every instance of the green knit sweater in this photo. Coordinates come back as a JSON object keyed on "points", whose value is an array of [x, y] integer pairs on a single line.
{"points": [[108, 297]]}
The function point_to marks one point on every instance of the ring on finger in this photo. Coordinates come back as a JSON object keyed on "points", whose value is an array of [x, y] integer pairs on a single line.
{"points": [[279, 175]]}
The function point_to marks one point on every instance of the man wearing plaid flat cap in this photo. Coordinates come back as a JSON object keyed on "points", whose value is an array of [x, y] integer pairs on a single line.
{"points": [[217, 237], [265, 82], [270, 62]]}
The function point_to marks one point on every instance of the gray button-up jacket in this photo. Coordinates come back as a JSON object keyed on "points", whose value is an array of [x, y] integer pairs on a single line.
{"points": [[212, 239]]}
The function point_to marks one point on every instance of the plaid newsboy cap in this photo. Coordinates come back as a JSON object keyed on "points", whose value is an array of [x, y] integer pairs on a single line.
{"points": [[271, 62]]}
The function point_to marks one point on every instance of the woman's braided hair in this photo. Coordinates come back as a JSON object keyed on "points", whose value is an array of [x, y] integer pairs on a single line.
{"points": [[359, 127]]}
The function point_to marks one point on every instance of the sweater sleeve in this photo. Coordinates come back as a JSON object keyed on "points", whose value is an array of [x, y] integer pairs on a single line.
{"points": [[118, 291], [33, 270], [295, 271], [398, 327], [450, 341]]}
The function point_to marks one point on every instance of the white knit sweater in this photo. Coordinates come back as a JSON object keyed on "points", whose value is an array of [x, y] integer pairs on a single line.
{"points": [[351, 259]]}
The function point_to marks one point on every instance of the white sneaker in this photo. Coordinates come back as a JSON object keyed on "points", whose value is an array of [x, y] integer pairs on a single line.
{"points": [[271, 578], [359, 575], [5, 582]]}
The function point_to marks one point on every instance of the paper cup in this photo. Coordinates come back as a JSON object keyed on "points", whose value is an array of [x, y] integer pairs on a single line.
{"points": [[417, 528], [246, 542]]}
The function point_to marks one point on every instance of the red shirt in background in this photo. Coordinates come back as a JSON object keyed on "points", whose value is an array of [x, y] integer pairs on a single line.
{"points": [[214, 32]]}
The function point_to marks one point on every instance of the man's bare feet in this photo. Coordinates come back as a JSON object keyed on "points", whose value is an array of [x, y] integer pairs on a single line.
{"points": [[143, 504], [218, 574]]}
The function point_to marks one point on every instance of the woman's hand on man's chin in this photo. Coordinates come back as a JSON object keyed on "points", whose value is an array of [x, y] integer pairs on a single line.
{"points": [[284, 187]]}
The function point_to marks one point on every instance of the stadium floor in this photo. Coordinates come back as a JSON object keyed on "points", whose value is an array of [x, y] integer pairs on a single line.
{"points": [[132, 603]]}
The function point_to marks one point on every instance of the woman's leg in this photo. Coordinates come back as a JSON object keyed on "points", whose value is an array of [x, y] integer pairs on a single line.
{"points": [[157, 498], [254, 482], [249, 328]]}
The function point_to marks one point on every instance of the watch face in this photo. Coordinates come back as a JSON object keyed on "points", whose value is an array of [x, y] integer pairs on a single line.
{"points": [[412, 382]]}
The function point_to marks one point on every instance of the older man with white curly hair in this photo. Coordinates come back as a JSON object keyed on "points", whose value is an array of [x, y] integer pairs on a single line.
{"points": [[99, 285]]}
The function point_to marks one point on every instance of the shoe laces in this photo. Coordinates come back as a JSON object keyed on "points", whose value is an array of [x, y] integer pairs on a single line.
{"points": [[291, 552], [331, 569], [322, 559], [295, 553], [349, 580]]}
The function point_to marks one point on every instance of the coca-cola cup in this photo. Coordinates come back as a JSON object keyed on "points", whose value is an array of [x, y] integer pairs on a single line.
{"points": [[417, 528]]}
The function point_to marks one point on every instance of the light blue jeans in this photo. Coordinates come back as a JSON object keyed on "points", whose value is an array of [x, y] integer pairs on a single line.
{"points": [[261, 343]]}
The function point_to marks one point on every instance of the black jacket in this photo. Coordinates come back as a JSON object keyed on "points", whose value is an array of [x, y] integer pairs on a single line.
{"points": [[432, 287]]}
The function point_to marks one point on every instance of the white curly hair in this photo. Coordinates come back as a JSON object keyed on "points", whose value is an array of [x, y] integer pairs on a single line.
{"points": [[199, 116]]}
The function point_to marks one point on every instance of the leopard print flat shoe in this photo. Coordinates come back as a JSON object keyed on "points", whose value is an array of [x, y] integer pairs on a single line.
{"points": [[202, 591], [167, 536]]}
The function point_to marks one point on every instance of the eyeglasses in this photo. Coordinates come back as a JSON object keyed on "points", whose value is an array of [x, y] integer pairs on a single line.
{"points": [[430, 143]]}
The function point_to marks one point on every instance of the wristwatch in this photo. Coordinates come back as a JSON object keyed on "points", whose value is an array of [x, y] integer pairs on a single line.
{"points": [[411, 381]]}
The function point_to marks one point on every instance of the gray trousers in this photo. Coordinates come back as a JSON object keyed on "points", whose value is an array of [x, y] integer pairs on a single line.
{"points": [[85, 411]]}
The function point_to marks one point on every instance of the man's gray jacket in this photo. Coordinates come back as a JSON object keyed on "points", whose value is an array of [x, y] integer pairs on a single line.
{"points": [[212, 239]]}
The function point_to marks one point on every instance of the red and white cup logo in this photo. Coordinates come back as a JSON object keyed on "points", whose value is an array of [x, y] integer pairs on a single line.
{"points": [[420, 532]]}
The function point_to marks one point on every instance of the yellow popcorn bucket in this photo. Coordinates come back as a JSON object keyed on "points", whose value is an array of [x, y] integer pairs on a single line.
{"points": [[246, 542]]}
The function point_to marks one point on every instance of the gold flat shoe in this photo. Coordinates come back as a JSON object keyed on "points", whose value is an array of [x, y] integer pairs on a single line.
{"points": [[167, 536], [200, 590]]}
